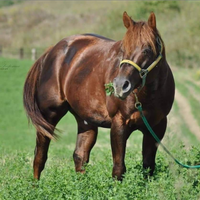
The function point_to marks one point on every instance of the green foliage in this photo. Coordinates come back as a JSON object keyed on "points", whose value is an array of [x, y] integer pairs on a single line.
{"points": [[59, 180], [159, 6], [4, 3], [109, 89], [197, 75]]}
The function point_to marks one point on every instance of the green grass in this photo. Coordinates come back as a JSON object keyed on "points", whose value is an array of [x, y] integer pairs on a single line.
{"points": [[59, 180], [13, 129]]}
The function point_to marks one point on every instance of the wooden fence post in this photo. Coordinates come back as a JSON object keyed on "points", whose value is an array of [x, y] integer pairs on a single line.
{"points": [[21, 53], [34, 54]]}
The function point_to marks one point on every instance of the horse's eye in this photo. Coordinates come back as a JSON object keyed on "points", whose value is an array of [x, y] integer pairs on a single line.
{"points": [[146, 51]]}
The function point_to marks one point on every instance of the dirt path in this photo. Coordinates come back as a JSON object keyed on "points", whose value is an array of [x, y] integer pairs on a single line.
{"points": [[173, 129], [186, 114], [193, 93]]}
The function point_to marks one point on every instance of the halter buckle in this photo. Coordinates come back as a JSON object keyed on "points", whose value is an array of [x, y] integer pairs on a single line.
{"points": [[143, 73]]}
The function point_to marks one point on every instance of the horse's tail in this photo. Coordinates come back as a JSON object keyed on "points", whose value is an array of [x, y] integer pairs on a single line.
{"points": [[30, 100]]}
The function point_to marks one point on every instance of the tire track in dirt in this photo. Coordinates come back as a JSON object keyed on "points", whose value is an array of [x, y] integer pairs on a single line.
{"points": [[194, 93], [174, 130], [186, 114]]}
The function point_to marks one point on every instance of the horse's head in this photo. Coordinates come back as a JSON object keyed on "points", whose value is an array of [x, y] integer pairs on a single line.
{"points": [[143, 50]]}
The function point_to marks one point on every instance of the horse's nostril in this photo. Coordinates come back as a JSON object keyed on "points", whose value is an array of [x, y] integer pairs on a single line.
{"points": [[126, 87]]}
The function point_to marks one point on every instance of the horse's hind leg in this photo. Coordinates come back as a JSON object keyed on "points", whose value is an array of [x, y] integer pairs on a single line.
{"points": [[150, 145], [52, 116], [86, 139], [41, 149]]}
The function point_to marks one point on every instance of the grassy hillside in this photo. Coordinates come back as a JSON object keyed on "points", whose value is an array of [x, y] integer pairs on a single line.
{"points": [[41, 24], [59, 181], [4, 3], [31, 24]]}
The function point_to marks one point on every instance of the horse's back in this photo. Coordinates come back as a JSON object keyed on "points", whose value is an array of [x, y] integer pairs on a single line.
{"points": [[98, 36], [74, 53]]}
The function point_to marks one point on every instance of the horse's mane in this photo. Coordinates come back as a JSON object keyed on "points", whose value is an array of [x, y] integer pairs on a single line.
{"points": [[139, 35]]}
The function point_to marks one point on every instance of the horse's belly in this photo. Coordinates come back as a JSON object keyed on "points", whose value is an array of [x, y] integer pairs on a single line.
{"points": [[92, 111], [95, 118], [98, 120]]}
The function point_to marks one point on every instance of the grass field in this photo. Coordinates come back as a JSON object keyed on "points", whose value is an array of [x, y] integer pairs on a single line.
{"points": [[59, 180], [31, 24]]}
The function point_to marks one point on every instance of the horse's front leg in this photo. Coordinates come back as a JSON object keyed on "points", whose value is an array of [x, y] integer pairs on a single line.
{"points": [[119, 135], [150, 145]]}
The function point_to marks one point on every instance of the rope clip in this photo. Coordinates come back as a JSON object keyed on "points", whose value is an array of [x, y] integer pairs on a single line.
{"points": [[137, 103]]}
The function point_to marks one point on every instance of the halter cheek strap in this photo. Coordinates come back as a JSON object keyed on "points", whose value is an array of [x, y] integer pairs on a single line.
{"points": [[143, 72]]}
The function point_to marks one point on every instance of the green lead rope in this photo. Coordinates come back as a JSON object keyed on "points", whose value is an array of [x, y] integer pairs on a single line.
{"points": [[139, 107]]}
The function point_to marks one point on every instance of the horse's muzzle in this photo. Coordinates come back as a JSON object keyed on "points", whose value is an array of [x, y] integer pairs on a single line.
{"points": [[122, 87]]}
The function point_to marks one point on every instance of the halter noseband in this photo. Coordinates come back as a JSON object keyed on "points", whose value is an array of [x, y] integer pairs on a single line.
{"points": [[143, 72]]}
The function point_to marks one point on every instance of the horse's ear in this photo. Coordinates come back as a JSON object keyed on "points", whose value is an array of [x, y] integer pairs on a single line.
{"points": [[127, 20], [152, 20]]}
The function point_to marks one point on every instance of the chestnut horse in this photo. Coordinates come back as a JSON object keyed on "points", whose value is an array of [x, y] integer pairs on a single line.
{"points": [[71, 76]]}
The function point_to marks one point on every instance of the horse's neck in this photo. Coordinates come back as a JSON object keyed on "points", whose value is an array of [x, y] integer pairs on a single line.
{"points": [[116, 53]]}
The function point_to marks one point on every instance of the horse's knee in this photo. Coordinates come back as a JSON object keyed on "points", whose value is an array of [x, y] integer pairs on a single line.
{"points": [[118, 171]]}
